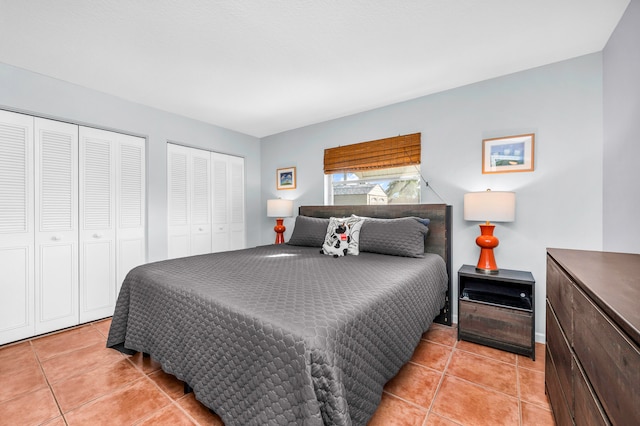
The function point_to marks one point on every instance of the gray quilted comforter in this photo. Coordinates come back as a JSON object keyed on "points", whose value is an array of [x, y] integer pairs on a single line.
{"points": [[281, 334]]}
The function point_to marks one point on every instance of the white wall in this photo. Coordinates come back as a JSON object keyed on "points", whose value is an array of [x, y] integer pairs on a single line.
{"points": [[25, 91], [558, 205], [621, 130]]}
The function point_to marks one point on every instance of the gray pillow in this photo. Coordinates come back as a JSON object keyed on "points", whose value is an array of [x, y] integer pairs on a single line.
{"points": [[309, 231], [398, 237]]}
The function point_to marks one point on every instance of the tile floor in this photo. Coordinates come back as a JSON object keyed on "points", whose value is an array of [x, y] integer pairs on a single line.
{"points": [[71, 378]]}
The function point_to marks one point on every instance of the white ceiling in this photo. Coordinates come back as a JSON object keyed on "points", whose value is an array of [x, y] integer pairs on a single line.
{"points": [[263, 67]]}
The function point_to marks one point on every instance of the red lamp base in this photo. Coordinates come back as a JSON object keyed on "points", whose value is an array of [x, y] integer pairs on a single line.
{"points": [[279, 228], [487, 242]]}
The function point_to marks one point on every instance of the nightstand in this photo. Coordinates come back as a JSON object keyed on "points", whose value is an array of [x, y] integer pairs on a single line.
{"points": [[497, 310]]}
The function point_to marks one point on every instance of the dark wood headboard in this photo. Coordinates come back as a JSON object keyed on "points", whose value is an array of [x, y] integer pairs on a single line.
{"points": [[438, 241]]}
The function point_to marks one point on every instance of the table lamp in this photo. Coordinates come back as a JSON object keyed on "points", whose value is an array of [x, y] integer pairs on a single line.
{"points": [[279, 209], [487, 206]]}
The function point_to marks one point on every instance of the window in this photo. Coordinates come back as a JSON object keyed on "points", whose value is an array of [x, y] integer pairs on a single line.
{"points": [[398, 185], [385, 171]]}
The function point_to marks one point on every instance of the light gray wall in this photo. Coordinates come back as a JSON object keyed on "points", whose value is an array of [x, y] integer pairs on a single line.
{"points": [[558, 205], [621, 65], [25, 91]]}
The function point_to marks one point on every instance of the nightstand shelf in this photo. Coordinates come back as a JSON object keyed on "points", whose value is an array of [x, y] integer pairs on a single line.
{"points": [[497, 310]]}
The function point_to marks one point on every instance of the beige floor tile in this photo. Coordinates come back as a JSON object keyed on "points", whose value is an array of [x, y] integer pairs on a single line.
{"points": [[432, 355], [199, 412], [170, 415], [532, 387], [125, 406], [103, 326], [69, 364], [442, 334], [538, 364], [395, 412], [19, 360], [13, 351], [15, 383], [470, 404], [146, 364], [415, 383], [24, 410], [486, 351], [168, 383], [67, 341], [497, 375], [532, 415], [100, 381], [436, 420]]}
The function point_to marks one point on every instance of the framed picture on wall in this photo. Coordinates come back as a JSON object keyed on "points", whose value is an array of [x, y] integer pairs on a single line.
{"points": [[286, 178], [508, 154]]}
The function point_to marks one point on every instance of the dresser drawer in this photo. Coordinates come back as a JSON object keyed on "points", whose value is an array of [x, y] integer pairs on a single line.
{"points": [[557, 399], [610, 360], [588, 410], [560, 296], [497, 323], [561, 352]]}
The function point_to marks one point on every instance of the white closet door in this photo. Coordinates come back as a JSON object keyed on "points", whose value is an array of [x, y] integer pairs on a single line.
{"points": [[200, 195], [236, 188], [130, 202], [178, 201], [56, 219], [97, 224], [220, 189], [16, 227], [228, 202]]}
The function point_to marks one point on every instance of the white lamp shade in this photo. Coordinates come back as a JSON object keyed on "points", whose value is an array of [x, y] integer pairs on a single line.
{"points": [[279, 208], [492, 206]]}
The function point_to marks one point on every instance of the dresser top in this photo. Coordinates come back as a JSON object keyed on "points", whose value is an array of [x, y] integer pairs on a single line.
{"points": [[612, 280]]}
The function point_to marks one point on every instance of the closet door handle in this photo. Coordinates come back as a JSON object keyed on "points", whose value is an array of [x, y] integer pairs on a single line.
{"points": [[56, 237], [97, 235]]}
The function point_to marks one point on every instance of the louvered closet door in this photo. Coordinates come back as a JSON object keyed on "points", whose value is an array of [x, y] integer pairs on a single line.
{"points": [[236, 189], [97, 224], [178, 201], [16, 227], [56, 219], [200, 196], [220, 202], [130, 203]]}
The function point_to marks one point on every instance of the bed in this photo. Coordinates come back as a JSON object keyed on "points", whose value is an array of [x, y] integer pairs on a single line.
{"points": [[282, 334]]}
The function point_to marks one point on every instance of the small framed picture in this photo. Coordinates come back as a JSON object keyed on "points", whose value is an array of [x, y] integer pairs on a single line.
{"points": [[508, 154], [286, 178]]}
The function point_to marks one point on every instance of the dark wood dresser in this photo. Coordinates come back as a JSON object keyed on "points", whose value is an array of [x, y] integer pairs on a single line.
{"points": [[593, 337]]}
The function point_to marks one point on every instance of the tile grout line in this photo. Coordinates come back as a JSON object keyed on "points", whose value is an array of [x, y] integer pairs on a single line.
{"points": [[119, 388], [171, 402], [435, 394], [413, 404], [147, 375], [422, 408], [62, 413], [46, 379], [519, 393], [185, 412], [488, 357]]}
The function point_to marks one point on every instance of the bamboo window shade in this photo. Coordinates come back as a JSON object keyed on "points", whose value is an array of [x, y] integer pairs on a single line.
{"points": [[385, 153]]}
